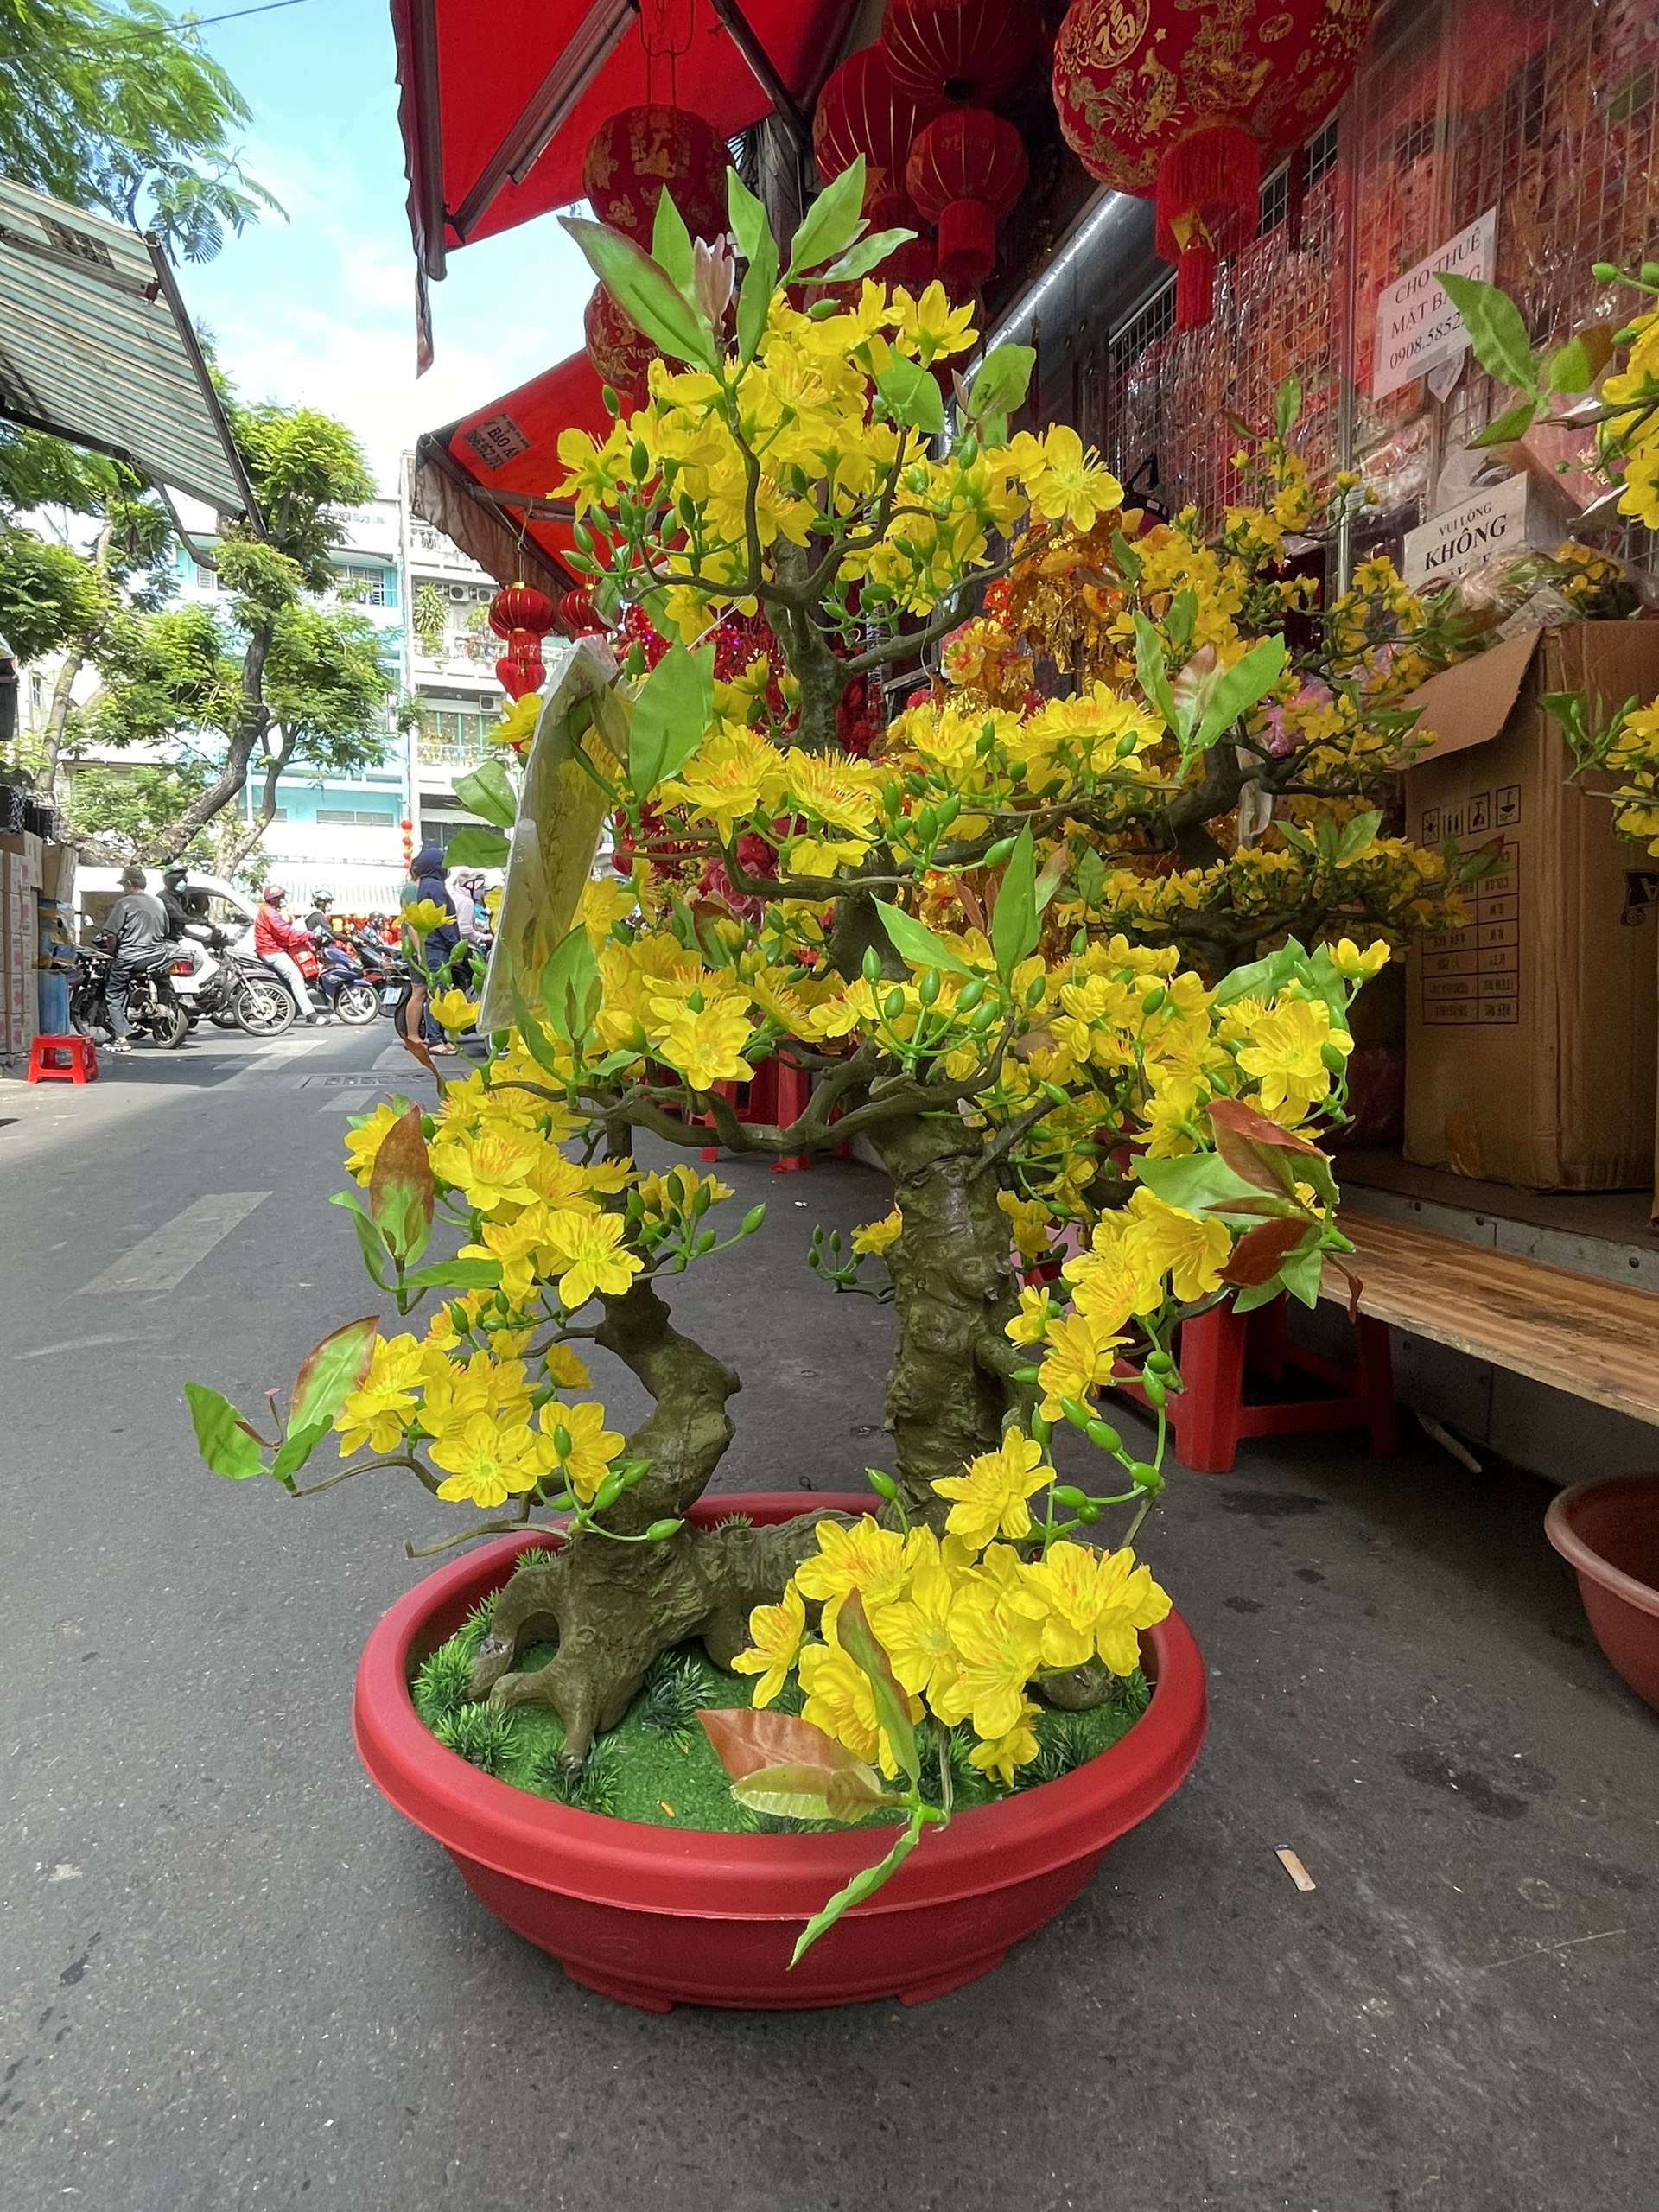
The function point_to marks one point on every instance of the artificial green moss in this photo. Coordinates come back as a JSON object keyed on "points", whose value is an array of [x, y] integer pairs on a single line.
{"points": [[659, 1768]]}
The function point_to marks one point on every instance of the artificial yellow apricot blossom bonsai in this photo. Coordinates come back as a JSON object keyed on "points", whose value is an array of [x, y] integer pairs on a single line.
{"points": [[1085, 1141]]}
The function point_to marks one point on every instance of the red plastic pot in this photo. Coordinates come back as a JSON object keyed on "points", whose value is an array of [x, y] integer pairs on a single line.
{"points": [[659, 1916], [1608, 1532]]}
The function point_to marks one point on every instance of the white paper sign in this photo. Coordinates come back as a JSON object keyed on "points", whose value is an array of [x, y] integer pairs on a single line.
{"points": [[1417, 326], [1488, 523]]}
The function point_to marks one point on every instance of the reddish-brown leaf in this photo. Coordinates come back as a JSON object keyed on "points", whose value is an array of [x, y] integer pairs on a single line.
{"points": [[329, 1375], [401, 1196], [746, 1740], [1232, 1113], [1259, 1255]]}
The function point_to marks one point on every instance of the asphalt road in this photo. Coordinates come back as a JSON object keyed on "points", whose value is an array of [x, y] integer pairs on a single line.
{"points": [[231, 1978]]}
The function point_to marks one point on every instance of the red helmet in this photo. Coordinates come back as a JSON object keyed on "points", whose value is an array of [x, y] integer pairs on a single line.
{"points": [[273, 892]]}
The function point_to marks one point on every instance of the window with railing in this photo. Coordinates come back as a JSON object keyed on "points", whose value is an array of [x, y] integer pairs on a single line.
{"points": [[367, 584], [452, 738]]}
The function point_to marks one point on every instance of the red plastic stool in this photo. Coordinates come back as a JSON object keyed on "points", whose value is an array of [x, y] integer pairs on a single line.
{"points": [[1217, 1349], [62, 1060], [777, 1095]]}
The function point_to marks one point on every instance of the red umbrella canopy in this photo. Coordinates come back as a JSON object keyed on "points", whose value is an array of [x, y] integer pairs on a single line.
{"points": [[480, 87]]}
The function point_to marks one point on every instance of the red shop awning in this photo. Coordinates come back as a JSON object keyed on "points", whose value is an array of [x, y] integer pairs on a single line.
{"points": [[499, 102], [485, 481]]}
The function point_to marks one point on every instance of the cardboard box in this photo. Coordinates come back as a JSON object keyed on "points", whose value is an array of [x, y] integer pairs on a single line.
{"points": [[23, 845], [1531, 1035], [57, 877]]}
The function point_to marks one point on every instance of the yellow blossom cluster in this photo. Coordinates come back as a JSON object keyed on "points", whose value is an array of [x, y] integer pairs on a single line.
{"points": [[968, 1623]]}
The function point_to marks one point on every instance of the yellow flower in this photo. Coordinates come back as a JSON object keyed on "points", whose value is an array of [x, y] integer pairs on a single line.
{"points": [[875, 1236], [1032, 1221], [915, 1632], [999, 1649], [1017, 1747], [424, 915], [705, 1047], [1167, 1240], [1354, 966], [1030, 1323], [562, 1367], [583, 1457], [491, 1168], [379, 1411], [992, 1494], [839, 1700], [931, 324], [454, 1392], [775, 1632], [364, 1138], [1285, 1056], [866, 1558], [587, 1250], [517, 722], [489, 1461], [1129, 1600], [453, 1009], [1078, 1361]]}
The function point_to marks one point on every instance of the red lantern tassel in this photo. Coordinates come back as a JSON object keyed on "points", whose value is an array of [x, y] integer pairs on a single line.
{"points": [[1208, 202]]}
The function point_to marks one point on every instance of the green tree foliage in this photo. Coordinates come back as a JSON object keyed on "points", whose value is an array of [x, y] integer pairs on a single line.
{"points": [[47, 593], [127, 809], [120, 108]]}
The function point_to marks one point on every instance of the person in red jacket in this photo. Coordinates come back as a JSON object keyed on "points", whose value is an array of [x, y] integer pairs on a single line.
{"points": [[275, 939]]}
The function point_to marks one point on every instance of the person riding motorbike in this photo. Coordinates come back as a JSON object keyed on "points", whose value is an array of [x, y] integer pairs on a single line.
{"points": [[275, 939], [472, 924], [185, 927], [317, 921], [136, 930]]}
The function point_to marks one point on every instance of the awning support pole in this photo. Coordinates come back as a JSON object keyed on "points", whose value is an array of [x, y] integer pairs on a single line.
{"points": [[741, 33]]}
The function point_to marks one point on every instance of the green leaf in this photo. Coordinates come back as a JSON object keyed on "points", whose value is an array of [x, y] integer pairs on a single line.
{"points": [[370, 1241], [644, 293], [746, 214], [455, 1275], [1183, 614], [329, 1375], [1151, 672], [867, 253], [914, 942], [1514, 424], [670, 244], [487, 793], [1003, 380], [859, 1641], [1198, 1179], [911, 396], [759, 282], [477, 848], [671, 716], [570, 985], [1091, 877], [830, 225], [1286, 406], [401, 1192], [1570, 369], [1260, 979], [861, 1886], [1249, 679], [1495, 331], [1357, 832], [227, 1444], [1127, 559], [1015, 924], [297, 1448], [810, 1792], [1303, 1273]]}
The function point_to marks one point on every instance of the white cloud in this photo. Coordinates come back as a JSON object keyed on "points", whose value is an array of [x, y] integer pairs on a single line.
{"points": [[321, 309]]}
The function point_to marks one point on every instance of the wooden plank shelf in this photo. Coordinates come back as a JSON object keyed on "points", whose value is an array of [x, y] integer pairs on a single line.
{"points": [[1597, 1339]]}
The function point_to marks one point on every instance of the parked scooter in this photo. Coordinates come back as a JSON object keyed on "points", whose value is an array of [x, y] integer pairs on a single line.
{"points": [[227, 995], [152, 1009]]}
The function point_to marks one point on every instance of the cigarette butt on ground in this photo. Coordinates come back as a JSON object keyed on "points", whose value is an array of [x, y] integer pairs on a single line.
{"points": [[1293, 1866]]}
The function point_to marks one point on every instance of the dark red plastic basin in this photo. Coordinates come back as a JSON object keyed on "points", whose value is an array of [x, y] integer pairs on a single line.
{"points": [[1608, 1533], [657, 1917]]}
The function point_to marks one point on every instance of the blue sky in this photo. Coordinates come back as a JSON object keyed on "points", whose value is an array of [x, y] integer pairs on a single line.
{"points": [[319, 309]]}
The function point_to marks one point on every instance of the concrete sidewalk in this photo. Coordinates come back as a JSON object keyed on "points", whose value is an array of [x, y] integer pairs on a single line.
{"points": [[230, 1977]]}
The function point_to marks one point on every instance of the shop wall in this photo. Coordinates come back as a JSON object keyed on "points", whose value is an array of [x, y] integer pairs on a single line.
{"points": [[1543, 109]]}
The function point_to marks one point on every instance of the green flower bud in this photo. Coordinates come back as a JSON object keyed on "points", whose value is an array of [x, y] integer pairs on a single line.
{"points": [[1154, 1387], [1034, 991], [640, 461], [999, 852], [1068, 1494], [660, 1531], [1103, 1436], [1040, 1428], [1125, 745], [970, 994], [895, 1004], [882, 1484], [1154, 999], [752, 1219], [1159, 1362], [1089, 1511], [871, 965], [1145, 1476], [607, 1493], [1334, 1058], [821, 310], [927, 986], [1076, 1413], [926, 826], [562, 1440], [1025, 1375]]}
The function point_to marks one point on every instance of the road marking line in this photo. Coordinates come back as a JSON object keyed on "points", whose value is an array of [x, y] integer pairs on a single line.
{"points": [[354, 1102], [82, 1343], [164, 1258]]}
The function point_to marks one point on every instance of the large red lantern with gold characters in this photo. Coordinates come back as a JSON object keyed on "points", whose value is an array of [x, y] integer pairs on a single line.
{"points": [[1181, 102], [965, 172], [634, 154], [619, 351]]}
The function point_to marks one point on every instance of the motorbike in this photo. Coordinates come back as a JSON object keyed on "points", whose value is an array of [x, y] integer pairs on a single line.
{"points": [[384, 968], [227, 995], [153, 1010], [335, 978]]}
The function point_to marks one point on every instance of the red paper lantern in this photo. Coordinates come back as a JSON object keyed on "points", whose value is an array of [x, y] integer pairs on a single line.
{"points": [[577, 612], [635, 153], [966, 170], [619, 351], [521, 607], [1157, 97], [862, 111], [976, 53]]}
